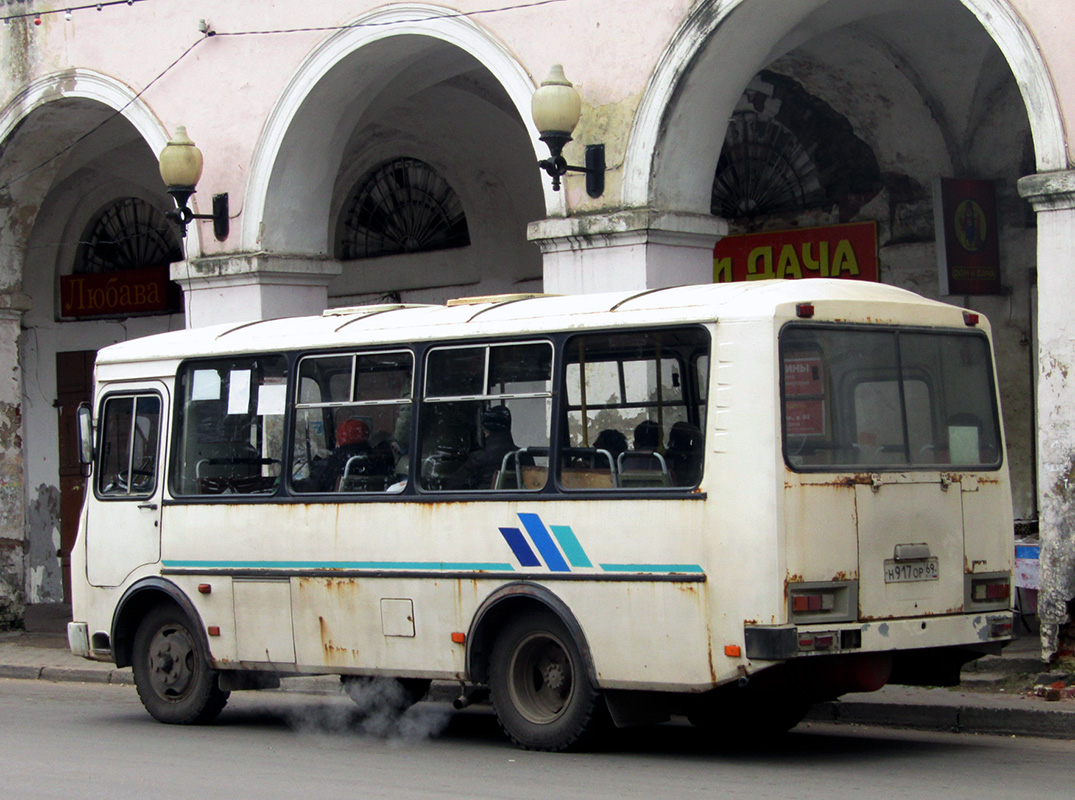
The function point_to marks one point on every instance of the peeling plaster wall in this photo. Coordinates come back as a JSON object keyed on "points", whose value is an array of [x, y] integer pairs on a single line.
{"points": [[43, 541], [11, 476]]}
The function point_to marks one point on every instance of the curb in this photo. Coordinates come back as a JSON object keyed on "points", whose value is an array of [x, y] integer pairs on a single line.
{"points": [[67, 674], [952, 719]]}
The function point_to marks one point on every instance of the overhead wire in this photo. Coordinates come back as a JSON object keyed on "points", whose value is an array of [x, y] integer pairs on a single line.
{"points": [[209, 33]]}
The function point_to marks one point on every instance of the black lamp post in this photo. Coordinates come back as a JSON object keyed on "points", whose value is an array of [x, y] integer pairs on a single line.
{"points": [[556, 108], [181, 168]]}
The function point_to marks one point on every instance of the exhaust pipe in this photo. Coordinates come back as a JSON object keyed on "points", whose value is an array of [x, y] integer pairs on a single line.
{"points": [[475, 695]]}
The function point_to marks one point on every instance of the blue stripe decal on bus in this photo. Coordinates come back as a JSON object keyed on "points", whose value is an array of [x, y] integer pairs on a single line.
{"points": [[517, 542], [544, 543], [570, 545], [389, 565]]}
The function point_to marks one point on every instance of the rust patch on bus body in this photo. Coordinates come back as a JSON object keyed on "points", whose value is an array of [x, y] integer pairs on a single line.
{"points": [[334, 653], [712, 669], [790, 579], [841, 482]]}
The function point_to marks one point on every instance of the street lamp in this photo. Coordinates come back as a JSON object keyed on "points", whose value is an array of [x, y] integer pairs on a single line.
{"points": [[181, 168], [556, 107]]}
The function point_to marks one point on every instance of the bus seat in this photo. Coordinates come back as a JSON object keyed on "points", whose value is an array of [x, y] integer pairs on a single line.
{"points": [[639, 468], [586, 478], [517, 471]]}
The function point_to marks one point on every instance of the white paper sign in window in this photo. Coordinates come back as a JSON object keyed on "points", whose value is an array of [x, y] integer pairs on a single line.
{"points": [[206, 385], [239, 391], [271, 399]]}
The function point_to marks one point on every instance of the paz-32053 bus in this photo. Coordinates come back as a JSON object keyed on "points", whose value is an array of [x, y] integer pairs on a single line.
{"points": [[725, 502]]}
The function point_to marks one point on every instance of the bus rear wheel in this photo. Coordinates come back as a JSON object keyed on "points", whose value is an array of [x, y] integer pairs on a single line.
{"points": [[540, 691], [171, 670]]}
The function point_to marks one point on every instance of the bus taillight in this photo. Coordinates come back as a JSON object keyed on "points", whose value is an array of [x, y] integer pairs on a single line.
{"points": [[822, 602], [991, 590]]}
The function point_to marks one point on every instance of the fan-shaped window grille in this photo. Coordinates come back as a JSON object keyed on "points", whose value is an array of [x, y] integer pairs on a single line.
{"points": [[402, 206], [129, 234], [763, 169]]}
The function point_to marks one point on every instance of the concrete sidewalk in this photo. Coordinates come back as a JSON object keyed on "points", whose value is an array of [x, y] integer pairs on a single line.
{"points": [[993, 699]]}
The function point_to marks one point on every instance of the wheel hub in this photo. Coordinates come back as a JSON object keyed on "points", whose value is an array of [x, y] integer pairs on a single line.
{"points": [[554, 676], [168, 663]]}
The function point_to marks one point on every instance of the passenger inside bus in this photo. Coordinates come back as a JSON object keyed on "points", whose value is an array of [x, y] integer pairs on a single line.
{"points": [[352, 439], [482, 465], [647, 438], [684, 454], [643, 465], [612, 442]]}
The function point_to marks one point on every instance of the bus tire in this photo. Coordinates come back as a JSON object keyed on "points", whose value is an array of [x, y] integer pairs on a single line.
{"points": [[540, 691], [171, 670]]}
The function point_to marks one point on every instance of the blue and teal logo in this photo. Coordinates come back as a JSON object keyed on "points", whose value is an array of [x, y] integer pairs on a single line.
{"points": [[539, 536], [558, 548]]}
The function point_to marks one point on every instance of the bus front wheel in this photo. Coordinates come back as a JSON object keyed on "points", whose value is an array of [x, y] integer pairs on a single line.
{"points": [[540, 691], [171, 670]]}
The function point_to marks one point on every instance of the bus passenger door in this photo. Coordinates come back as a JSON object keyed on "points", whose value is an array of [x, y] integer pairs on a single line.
{"points": [[123, 521]]}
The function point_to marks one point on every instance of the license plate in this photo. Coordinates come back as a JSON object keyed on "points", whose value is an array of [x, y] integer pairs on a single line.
{"points": [[909, 571]]}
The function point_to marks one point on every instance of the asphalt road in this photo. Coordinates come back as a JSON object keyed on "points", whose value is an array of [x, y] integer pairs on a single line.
{"points": [[67, 740]]}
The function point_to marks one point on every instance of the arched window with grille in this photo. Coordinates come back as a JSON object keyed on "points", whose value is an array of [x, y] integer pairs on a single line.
{"points": [[786, 152], [121, 265], [400, 206]]}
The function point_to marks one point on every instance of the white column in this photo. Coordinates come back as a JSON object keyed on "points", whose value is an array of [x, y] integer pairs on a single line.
{"points": [[624, 250], [12, 491], [242, 288], [1053, 197]]}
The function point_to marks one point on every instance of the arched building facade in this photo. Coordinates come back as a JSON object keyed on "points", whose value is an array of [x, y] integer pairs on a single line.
{"points": [[373, 150]]}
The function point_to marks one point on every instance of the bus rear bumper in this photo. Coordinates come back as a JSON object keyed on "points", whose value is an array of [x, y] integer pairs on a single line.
{"points": [[983, 631]]}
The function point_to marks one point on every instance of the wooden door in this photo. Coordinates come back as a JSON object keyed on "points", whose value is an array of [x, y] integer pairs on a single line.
{"points": [[74, 385]]}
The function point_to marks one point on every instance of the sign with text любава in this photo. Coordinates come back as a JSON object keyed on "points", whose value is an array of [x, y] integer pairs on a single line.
{"points": [[115, 294]]}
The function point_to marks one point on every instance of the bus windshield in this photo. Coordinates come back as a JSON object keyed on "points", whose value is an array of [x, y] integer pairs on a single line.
{"points": [[887, 399]]}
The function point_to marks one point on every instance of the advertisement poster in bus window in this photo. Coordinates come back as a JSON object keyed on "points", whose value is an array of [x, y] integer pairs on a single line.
{"points": [[804, 395]]}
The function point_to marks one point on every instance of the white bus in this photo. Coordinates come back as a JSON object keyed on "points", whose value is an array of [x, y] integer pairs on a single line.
{"points": [[725, 502]]}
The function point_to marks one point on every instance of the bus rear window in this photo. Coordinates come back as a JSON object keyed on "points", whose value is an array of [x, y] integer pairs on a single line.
{"points": [[856, 398]]}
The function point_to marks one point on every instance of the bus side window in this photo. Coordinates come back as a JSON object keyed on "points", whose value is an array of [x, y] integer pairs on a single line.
{"points": [[230, 431], [485, 418], [634, 409], [352, 422], [129, 444]]}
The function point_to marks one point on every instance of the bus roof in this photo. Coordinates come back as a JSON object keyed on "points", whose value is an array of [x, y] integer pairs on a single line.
{"points": [[833, 300]]}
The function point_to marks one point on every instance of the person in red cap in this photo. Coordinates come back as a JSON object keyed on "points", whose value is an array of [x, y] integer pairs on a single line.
{"points": [[352, 439]]}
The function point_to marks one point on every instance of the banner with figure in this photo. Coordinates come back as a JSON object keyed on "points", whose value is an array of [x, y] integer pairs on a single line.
{"points": [[968, 247]]}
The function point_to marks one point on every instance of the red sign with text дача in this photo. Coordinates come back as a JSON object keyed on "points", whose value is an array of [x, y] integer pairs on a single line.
{"points": [[835, 251]]}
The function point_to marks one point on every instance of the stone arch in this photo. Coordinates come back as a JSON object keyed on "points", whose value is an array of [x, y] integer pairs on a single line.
{"points": [[94, 87], [399, 23], [713, 33]]}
